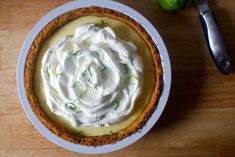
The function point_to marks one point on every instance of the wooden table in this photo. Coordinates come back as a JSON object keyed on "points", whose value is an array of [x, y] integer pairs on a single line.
{"points": [[199, 119]]}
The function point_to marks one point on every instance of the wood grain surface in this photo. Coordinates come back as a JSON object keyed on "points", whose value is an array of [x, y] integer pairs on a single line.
{"points": [[199, 119]]}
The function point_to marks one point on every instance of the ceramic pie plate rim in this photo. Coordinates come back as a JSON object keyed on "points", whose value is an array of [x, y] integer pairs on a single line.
{"points": [[165, 65]]}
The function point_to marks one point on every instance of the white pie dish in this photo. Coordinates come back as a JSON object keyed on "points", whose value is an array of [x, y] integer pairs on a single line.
{"points": [[166, 75]]}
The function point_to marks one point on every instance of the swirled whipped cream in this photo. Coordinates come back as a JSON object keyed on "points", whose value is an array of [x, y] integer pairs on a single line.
{"points": [[92, 78]]}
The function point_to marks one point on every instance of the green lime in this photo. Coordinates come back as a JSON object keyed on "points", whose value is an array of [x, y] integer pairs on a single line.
{"points": [[173, 5]]}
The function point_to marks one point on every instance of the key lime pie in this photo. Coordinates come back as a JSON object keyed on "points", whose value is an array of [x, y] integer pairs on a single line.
{"points": [[93, 76]]}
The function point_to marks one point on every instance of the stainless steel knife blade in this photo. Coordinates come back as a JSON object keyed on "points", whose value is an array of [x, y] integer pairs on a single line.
{"points": [[202, 5]]}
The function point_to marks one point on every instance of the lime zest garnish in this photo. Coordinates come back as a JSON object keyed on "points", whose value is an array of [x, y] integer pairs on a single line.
{"points": [[89, 70], [100, 24], [71, 106], [112, 133], [116, 104], [126, 69], [82, 92], [81, 88], [103, 69], [49, 66], [76, 83], [77, 53], [129, 79]]}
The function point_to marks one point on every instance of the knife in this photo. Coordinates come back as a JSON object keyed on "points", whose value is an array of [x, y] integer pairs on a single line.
{"points": [[214, 37]]}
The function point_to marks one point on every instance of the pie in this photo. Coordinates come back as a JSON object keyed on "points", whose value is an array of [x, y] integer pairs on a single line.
{"points": [[93, 76]]}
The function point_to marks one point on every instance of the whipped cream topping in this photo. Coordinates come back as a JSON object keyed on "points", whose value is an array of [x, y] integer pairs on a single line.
{"points": [[92, 78]]}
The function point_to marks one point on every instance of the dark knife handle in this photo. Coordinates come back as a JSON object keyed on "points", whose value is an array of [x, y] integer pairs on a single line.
{"points": [[215, 42]]}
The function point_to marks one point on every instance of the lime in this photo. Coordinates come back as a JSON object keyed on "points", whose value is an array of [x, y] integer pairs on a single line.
{"points": [[173, 5]]}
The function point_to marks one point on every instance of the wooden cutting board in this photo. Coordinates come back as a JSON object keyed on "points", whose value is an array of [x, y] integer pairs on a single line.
{"points": [[199, 119]]}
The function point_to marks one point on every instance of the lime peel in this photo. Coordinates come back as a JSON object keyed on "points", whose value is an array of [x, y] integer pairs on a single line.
{"points": [[173, 5]]}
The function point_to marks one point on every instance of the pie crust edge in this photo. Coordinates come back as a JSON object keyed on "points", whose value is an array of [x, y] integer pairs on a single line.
{"points": [[30, 68]]}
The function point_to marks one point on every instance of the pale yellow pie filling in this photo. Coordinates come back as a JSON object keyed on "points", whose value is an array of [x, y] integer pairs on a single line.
{"points": [[124, 32]]}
